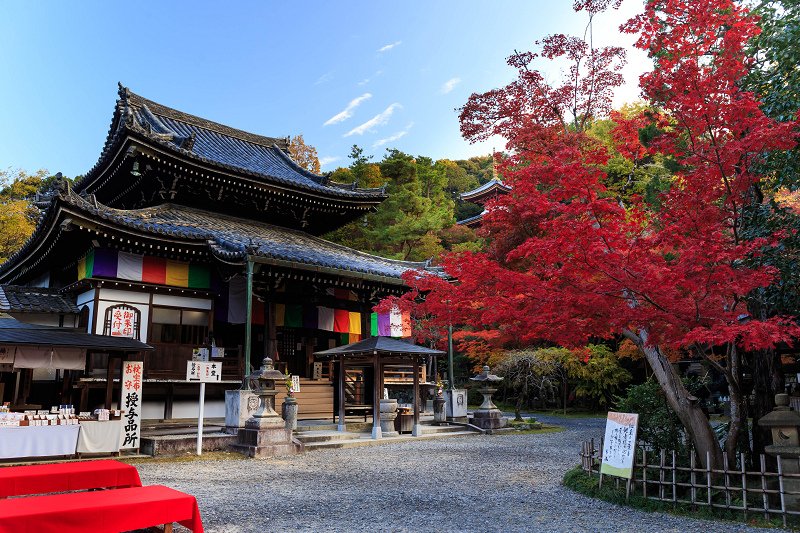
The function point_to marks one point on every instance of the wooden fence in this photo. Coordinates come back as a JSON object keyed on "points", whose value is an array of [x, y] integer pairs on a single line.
{"points": [[663, 477]]}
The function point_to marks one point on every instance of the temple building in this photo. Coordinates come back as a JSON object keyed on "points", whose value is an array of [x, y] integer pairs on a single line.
{"points": [[200, 240], [488, 191]]}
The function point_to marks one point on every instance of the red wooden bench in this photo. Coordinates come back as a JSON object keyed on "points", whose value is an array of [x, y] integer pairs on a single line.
{"points": [[107, 511], [62, 477]]}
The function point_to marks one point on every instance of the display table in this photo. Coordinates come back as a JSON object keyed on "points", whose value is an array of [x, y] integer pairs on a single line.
{"points": [[105, 511], [37, 441], [61, 477], [100, 437]]}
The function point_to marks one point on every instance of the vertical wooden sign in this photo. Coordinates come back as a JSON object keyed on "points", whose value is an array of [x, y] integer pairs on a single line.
{"points": [[131, 403]]}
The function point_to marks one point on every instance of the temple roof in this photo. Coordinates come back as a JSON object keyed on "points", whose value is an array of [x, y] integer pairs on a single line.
{"points": [[381, 345], [14, 332], [228, 238], [491, 188], [15, 299], [255, 156]]}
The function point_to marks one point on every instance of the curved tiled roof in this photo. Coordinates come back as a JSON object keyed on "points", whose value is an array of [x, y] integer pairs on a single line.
{"points": [[493, 184], [215, 144], [232, 239], [17, 299]]}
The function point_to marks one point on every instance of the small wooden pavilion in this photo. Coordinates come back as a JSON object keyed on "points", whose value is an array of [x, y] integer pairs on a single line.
{"points": [[490, 190], [379, 352]]}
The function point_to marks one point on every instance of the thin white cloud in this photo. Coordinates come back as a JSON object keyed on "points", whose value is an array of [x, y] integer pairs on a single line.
{"points": [[326, 160], [393, 137], [389, 46], [324, 78], [366, 80], [450, 85], [377, 120], [348, 111]]}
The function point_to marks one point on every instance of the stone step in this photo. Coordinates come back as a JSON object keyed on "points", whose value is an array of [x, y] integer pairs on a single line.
{"points": [[367, 440], [324, 436]]}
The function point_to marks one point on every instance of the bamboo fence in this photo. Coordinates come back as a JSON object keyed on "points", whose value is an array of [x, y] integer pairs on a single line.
{"points": [[662, 477]]}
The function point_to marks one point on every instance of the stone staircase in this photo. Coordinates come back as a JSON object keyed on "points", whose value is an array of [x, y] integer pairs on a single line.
{"points": [[360, 434]]}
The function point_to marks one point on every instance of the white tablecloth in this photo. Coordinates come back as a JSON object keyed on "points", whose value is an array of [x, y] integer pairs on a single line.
{"points": [[37, 441], [100, 437]]}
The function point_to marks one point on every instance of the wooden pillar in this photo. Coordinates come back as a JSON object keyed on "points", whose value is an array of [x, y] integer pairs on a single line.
{"points": [[168, 399], [84, 405], [110, 380], [66, 388], [416, 431], [270, 329], [376, 397], [342, 426]]}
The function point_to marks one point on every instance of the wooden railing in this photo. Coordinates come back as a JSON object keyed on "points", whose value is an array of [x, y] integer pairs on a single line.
{"points": [[664, 477]]}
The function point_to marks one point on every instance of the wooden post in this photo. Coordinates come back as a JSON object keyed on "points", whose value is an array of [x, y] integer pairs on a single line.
{"points": [[376, 397], [744, 485], [248, 325], [110, 380], [764, 487], [694, 480], [417, 431], [780, 485], [168, 399], [342, 426]]}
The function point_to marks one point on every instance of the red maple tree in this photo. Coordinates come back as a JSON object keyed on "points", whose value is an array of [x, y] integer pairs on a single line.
{"points": [[567, 260]]}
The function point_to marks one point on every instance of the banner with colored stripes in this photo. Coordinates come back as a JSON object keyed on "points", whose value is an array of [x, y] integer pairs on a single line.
{"points": [[104, 263]]}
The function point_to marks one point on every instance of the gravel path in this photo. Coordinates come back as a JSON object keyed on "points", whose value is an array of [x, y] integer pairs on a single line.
{"points": [[476, 484]]}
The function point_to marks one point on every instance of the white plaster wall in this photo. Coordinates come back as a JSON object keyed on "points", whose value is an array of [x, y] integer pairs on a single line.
{"points": [[184, 409], [181, 301]]}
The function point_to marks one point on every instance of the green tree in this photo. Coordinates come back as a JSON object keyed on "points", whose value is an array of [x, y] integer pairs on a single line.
{"points": [[408, 214], [18, 212]]}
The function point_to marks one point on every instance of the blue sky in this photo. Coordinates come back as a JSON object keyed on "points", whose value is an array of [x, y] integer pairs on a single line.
{"points": [[374, 73]]}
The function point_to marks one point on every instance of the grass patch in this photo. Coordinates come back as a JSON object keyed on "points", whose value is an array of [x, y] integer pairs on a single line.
{"points": [[571, 413], [188, 458], [544, 429], [588, 485]]}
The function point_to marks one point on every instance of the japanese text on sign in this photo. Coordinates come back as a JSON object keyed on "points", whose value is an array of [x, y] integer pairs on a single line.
{"points": [[203, 372], [122, 323], [131, 403], [619, 444]]}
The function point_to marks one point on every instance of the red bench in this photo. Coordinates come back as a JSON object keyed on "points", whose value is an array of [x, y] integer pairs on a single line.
{"points": [[108, 511], [62, 477]]}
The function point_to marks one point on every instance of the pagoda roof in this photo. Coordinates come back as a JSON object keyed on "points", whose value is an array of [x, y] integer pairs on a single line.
{"points": [[489, 189], [16, 299], [472, 222], [228, 238], [264, 159]]}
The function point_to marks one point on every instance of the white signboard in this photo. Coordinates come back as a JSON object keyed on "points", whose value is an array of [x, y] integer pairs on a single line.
{"points": [[122, 323], [296, 383], [131, 403], [203, 372], [619, 446], [7, 358]]}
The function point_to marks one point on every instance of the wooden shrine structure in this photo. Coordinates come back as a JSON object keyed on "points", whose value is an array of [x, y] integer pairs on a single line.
{"points": [[379, 352], [190, 235]]}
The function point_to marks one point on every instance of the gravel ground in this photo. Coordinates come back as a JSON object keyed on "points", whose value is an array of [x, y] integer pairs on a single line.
{"points": [[476, 484]]}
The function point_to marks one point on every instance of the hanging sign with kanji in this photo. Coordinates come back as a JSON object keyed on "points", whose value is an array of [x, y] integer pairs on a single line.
{"points": [[203, 372], [122, 322], [619, 446], [131, 403]]}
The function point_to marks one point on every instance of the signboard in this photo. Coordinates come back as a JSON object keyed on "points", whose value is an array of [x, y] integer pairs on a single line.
{"points": [[203, 372], [296, 383], [317, 371], [131, 403], [7, 358], [619, 445], [199, 354], [122, 322]]}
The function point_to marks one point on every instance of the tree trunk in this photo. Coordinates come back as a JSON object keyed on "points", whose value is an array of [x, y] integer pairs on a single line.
{"points": [[767, 382], [698, 428], [735, 398]]}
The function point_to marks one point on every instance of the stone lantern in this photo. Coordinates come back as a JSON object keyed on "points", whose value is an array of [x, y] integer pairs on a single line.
{"points": [[785, 426], [265, 433], [487, 416]]}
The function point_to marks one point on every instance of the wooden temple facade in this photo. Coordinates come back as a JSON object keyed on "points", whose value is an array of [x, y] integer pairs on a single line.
{"points": [[188, 235]]}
